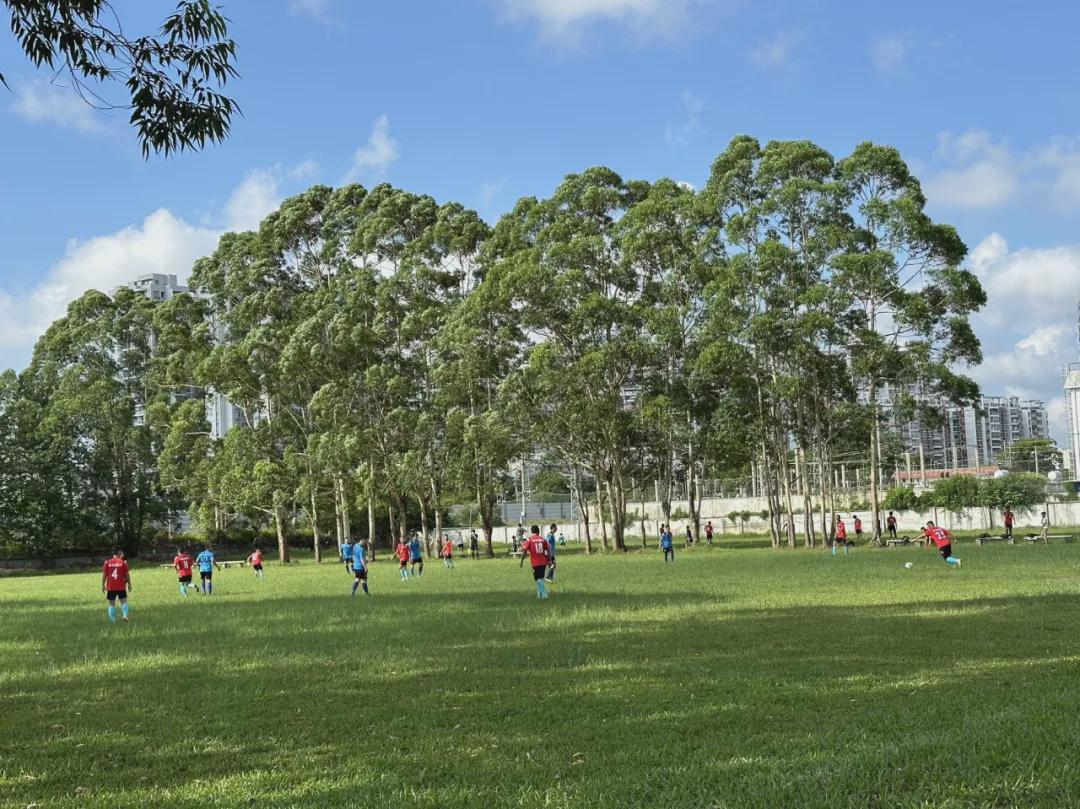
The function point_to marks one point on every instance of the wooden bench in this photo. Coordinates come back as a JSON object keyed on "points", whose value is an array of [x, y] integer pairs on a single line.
{"points": [[1046, 540], [982, 539], [893, 543], [234, 563]]}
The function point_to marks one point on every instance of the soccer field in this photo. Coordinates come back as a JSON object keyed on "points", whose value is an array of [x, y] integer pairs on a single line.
{"points": [[731, 678]]}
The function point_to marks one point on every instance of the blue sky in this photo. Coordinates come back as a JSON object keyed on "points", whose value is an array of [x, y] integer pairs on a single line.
{"points": [[484, 101]]}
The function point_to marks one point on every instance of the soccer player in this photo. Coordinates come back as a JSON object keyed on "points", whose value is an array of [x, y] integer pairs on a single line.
{"points": [[206, 562], [402, 553], [1044, 521], [182, 564], [841, 536], [537, 551], [448, 552], [667, 543], [689, 537], [857, 523], [359, 570], [416, 556], [550, 540], [115, 584], [1008, 521], [943, 540], [562, 540], [890, 524], [708, 532], [474, 545], [347, 549], [255, 560]]}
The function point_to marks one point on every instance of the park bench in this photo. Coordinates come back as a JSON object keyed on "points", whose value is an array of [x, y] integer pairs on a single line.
{"points": [[234, 563], [892, 543], [982, 539], [1046, 540]]}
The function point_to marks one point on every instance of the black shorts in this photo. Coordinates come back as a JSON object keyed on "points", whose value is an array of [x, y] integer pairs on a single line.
{"points": [[257, 567], [206, 575], [360, 574], [403, 563], [945, 550], [419, 559], [892, 531], [185, 579], [112, 595], [539, 571]]}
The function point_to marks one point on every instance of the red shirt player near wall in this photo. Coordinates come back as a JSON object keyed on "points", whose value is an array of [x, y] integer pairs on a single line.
{"points": [[943, 540], [1008, 521], [840, 539]]}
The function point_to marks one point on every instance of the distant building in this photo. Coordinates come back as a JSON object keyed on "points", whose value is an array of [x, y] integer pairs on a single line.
{"points": [[1072, 414], [967, 437], [155, 286]]}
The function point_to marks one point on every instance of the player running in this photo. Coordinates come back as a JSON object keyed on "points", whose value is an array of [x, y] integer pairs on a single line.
{"points": [[416, 556], [115, 584], [841, 536], [255, 560], [448, 552], [538, 554], [206, 562], [347, 550], [550, 540], [667, 543], [402, 553], [182, 564], [943, 540], [360, 570]]}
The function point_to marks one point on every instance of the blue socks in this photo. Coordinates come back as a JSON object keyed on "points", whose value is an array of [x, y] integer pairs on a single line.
{"points": [[364, 585], [112, 613], [124, 610], [541, 590], [183, 590], [952, 560], [355, 584]]}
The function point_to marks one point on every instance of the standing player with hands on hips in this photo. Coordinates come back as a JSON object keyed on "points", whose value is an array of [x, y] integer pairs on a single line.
{"points": [[116, 583], [536, 549]]}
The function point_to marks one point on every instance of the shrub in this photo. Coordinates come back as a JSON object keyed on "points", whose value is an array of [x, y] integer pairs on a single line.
{"points": [[902, 498]]}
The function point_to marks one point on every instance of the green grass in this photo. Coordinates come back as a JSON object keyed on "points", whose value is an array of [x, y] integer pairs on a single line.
{"points": [[733, 678]]}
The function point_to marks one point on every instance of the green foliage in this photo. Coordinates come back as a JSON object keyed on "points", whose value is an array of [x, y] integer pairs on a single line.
{"points": [[956, 493], [903, 498], [1023, 493]]}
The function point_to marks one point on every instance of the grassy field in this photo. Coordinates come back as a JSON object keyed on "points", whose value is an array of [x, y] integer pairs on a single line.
{"points": [[732, 678]]}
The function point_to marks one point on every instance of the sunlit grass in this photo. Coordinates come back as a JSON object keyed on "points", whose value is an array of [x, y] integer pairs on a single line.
{"points": [[732, 678]]}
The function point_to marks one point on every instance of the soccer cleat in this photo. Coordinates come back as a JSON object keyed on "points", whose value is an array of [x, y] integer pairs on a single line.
{"points": [[958, 563], [124, 619]]}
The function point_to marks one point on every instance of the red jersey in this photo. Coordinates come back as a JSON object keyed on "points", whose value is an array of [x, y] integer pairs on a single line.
{"points": [[256, 558], [841, 530], [182, 563], [448, 549], [402, 551], [115, 572], [537, 549], [890, 521], [1008, 518], [940, 536], [858, 526]]}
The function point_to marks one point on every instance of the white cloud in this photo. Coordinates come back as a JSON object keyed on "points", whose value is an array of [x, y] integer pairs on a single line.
{"points": [[161, 243], [888, 52], [318, 10], [1029, 326], [39, 101], [255, 197], [566, 20], [679, 134], [304, 170], [974, 171], [375, 156], [777, 51]]}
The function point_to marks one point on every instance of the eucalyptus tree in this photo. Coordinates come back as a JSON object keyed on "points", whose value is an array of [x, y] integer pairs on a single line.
{"points": [[908, 299]]}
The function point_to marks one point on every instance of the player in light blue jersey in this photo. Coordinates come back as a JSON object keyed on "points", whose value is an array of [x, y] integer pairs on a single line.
{"points": [[347, 550], [416, 556], [551, 552], [359, 569], [667, 543], [206, 563]]}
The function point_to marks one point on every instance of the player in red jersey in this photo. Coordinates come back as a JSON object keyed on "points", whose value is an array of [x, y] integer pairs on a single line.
{"points": [[402, 553], [115, 584], [255, 560], [182, 564], [448, 552], [539, 556], [1009, 519], [943, 540], [841, 537]]}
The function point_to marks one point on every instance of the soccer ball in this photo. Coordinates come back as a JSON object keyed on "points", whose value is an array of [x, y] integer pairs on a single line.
{"points": [[909, 565]]}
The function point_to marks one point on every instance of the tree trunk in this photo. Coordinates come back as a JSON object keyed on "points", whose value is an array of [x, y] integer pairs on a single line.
{"points": [[316, 537], [436, 504], [583, 505], [423, 526], [371, 524], [875, 465], [283, 544], [600, 508], [339, 534]]}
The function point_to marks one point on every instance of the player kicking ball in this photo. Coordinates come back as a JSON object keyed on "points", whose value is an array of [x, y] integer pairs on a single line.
{"points": [[256, 562], [943, 540], [359, 568], [536, 550], [116, 584]]}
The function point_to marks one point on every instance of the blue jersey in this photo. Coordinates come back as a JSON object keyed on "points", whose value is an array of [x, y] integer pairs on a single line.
{"points": [[666, 540], [205, 561], [551, 545], [416, 549], [346, 551], [358, 562]]}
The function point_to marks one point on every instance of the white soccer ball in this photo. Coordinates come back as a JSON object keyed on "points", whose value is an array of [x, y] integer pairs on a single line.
{"points": [[909, 565]]}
